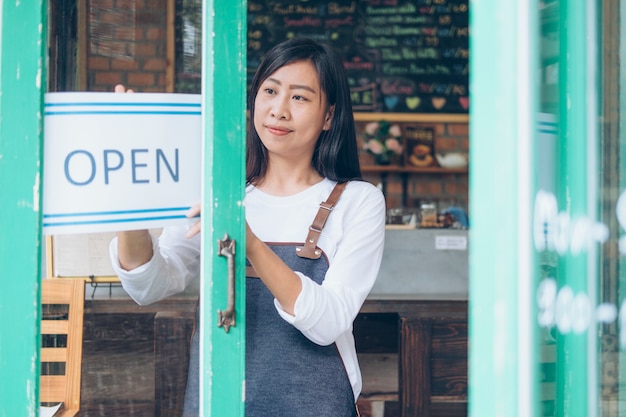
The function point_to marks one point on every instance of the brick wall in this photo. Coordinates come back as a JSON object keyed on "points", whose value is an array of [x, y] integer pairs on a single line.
{"points": [[126, 43]]}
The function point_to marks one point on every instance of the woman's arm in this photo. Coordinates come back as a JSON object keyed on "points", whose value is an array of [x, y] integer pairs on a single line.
{"points": [[283, 283], [134, 248], [324, 312], [174, 264]]}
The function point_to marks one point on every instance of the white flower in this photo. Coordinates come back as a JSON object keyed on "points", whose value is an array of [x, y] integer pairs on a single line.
{"points": [[374, 146], [393, 145], [372, 128], [395, 131]]}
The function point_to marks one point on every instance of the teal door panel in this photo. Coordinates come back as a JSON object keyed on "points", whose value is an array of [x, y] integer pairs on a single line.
{"points": [[223, 351], [22, 75], [22, 78]]}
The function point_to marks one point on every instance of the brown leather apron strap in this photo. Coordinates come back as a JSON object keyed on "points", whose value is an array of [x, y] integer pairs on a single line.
{"points": [[310, 249]]}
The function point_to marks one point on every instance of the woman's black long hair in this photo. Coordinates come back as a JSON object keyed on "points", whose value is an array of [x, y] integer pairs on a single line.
{"points": [[336, 154]]}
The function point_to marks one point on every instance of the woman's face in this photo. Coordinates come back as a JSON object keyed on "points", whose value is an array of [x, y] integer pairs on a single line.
{"points": [[290, 112]]}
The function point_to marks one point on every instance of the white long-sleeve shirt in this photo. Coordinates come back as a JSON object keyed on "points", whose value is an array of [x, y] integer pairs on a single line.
{"points": [[352, 240]]}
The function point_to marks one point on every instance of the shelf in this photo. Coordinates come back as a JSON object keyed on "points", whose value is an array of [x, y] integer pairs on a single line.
{"points": [[405, 172], [411, 170], [412, 117]]}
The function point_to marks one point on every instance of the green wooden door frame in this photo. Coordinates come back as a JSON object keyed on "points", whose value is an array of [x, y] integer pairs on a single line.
{"points": [[22, 81], [224, 85], [578, 196], [502, 67]]}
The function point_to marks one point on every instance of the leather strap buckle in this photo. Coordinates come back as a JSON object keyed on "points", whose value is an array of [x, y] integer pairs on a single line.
{"points": [[310, 249]]}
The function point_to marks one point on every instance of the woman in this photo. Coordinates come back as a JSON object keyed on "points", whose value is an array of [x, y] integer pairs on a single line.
{"points": [[302, 298]]}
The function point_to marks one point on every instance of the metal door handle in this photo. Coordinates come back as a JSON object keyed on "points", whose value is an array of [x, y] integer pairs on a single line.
{"points": [[226, 318]]}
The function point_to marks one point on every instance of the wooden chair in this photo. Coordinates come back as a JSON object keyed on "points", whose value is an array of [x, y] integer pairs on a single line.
{"points": [[62, 325]]}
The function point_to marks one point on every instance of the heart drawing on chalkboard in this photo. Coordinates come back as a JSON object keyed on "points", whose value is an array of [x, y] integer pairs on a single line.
{"points": [[464, 102], [391, 102], [438, 102], [413, 102]]}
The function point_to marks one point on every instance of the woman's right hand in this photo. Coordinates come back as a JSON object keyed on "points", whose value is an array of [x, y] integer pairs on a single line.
{"points": [[120, 88]]}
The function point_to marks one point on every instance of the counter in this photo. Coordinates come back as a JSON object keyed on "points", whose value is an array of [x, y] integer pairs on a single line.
{"points": [[423, 264]]}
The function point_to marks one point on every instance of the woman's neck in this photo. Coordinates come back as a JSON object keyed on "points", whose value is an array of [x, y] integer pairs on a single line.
{"points": [[288, 181]]}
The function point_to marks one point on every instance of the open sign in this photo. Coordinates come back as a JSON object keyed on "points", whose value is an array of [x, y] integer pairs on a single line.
{"points": [[120, 161]]}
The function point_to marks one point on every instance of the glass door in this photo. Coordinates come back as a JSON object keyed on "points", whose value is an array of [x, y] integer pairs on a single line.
{"points": [[567, 230], [548, 203], [23, 71]]}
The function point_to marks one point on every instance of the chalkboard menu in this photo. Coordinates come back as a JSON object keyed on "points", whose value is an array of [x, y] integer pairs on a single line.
{"points": [[402, 56]]}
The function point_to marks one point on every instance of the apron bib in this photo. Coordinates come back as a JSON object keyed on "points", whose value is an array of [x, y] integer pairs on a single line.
{"points": [[286, 373]]}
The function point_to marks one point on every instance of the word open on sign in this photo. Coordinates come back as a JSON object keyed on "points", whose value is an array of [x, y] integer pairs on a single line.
{"points": [[120, 161]]}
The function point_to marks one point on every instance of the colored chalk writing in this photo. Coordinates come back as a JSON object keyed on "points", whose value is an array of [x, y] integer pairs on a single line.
{"points": [[401, 56]]}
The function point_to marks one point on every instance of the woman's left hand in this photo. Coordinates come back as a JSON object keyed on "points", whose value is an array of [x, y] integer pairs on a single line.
{"points": [[194, 211]]}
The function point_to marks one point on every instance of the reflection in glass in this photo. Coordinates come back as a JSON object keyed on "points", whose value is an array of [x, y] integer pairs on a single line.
{"points": [[134, 357], [546, 155], [188, 40], [598, 308]]}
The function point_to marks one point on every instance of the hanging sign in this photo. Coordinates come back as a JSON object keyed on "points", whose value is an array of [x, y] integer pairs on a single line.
{"points": [[117, 161]]}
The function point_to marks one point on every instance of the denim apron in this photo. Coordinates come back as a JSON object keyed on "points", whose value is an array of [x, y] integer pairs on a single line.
{"points": [[287, 375]]}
